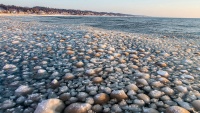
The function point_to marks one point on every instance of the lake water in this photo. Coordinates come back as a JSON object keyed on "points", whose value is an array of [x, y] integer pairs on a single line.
{"points": [[178, 27]]}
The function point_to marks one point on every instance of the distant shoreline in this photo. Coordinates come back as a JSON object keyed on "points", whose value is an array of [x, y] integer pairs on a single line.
{"points": [[34, 15], [3, 14]]}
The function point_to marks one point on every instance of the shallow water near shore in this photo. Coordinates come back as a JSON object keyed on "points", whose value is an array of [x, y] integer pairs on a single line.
{"points": [[178, 27], [99, 64]]}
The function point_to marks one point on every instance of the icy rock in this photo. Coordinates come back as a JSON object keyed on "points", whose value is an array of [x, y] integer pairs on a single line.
{"points": [[50, 106], [23, 90], [78, 108]]}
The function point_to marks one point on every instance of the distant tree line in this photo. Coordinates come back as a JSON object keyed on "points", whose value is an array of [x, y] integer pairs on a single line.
{"points": [[46, 10]]}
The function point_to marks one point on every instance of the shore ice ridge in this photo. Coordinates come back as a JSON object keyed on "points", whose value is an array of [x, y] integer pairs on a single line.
{"points": [[43, 53]]}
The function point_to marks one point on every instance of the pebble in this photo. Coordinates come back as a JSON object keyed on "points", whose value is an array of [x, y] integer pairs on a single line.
{"points": [[55, 83], [155, 94], [187, 77], [97, 108], [139, 102], [101, 98], [97, 80], [144, 97], [119, 95], [116, 109], [157, 84], [23, 90], [185, 105], [182, 89], [168, 91], [20, 100], [82, 96], [90, 72], [50, 106], [196, 104], [132, 87], [7, 104], [65, 96], [163, 73], [149, 110], [78, 108], [10, 68], [79, 64], [176, 109], [142, 82], [68, 76]]}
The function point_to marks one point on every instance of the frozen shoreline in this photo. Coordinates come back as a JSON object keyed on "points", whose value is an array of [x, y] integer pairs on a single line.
{"points": [[81, 64]]}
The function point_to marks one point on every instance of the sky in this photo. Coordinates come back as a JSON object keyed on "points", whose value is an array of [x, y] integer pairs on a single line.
{"points": [[157, 8]]}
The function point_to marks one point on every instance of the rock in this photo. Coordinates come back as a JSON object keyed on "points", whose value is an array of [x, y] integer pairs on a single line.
{"points": [[7, 104], [82, 96], [163, 73], [119, 95], [187, 77], [86, 36], [163, 80], [101, 98], [89, 100], [90, 72], [157, 84], [187, 61], [68, 76], [97, 80], [79, 64], [138, 102], [168, 90], [41, 73], [78, 108], [155, 94], [185, 105], [54, 83], [97, 108], [23, 90], [165, 54], [107, 90], [34, 97], [131, 93], [196, 104], [132, 87], [20, 100], [176, 109], [182, 89], [15, 42], [149, 110], [141, 82], [161, 64], [10, 68], [65, 96], [116, 109], [50, 106], [63, 89], [144, 97], [165, 98], [142, 75], [177, 82]]}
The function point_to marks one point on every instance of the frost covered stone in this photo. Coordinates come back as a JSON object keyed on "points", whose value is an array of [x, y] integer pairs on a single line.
{"points": [[50, 106], [78, 108], [23, 90], [163, 73], [10, 67], [119, 95]]}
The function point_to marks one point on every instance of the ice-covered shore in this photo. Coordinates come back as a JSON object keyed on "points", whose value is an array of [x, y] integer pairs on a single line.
{"points": [[61, 68]]}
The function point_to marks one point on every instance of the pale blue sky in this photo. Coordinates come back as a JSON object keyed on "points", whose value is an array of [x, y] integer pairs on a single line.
{"points": [[162, 8]]}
